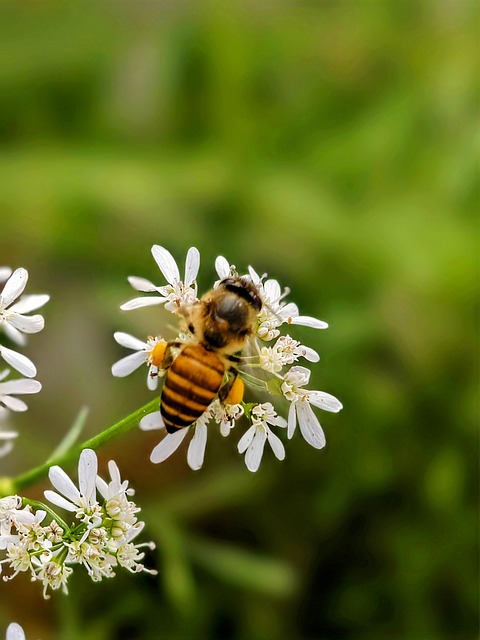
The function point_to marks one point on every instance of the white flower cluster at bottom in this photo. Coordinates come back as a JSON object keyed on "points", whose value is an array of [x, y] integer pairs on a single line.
{"points": [[101, 537]]}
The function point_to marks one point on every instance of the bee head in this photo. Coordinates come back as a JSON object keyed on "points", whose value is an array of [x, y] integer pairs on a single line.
{"points": [[231, 311]]}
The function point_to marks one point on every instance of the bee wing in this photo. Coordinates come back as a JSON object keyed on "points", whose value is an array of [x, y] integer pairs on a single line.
{"points": [[254, 377]]}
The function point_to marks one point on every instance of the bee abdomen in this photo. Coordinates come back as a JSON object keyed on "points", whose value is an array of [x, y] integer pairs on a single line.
{"points": [[192, 383]]}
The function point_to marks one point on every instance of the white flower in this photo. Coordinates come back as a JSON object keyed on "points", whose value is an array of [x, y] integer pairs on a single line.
{"points": [[17, 387], [52, 573], [300, 409], [253, 441], [128, 555], [285, 351], [12, 314], [149, 352], [176, 293], [226, 415], [9, 506], [15, 632], [115, 488], [171, 442], [82, 501], [275, 312], [117, 506]]}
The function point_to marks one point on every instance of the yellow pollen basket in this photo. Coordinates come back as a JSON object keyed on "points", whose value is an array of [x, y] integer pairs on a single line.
{"points": [[235, 395], [157, 353]]}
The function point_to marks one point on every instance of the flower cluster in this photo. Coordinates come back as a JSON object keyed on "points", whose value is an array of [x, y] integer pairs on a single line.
{"points": [[265, 364], [15, 323], [102, 536]]}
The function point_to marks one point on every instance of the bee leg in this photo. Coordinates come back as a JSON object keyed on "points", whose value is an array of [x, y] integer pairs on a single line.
{"points": [[226, 388], [233, 371], [168, 355]]}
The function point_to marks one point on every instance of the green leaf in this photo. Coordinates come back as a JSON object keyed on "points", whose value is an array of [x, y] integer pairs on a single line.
{"points": [[242, 568]]}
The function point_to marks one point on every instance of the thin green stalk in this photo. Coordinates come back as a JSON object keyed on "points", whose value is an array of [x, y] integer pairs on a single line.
{"points": [[71, 456]]}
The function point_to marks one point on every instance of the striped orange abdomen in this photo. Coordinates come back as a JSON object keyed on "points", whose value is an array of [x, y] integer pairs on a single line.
{"points": [[192, 382]]}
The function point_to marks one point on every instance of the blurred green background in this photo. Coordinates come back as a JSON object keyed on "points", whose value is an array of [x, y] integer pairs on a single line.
{"points": [[332, 145]]}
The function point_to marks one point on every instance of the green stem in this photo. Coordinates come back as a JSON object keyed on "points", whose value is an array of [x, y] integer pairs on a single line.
{"points": [[72, 455]]}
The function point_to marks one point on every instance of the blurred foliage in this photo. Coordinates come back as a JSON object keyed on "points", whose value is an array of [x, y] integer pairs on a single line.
{"points": [[331, 144]]}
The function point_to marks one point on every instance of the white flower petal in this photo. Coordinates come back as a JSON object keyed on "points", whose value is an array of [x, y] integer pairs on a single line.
{"points": [[168, 445], [292, 421], [309, 354], [20, 386], [126, 365], [62, 483], [13, 287], [14, 334], [87, 473], [137, 303], [25, 517], [166, 263], [30, 303], [129, 341], [222, 267], [15, 632], [277, 445], [309, 425], [303, 371], [307, 321], [13, 404], [102, 487], [246, 440], [256, 279], [19, 362], [4, 451], [114, 472], [324, 401], [278, 421], [192, 265], [7, 435], [196, 448], [142, 284], [254, 454], [272, 290], [27, 324], [134, 531], [152, 378], [59, 500], [152, 421]]}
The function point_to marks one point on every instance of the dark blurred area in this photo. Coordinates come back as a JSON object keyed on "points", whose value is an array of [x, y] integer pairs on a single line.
{"points": [[332, 145]]}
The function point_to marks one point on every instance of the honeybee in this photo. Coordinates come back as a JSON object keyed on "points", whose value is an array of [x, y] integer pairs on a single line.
{"points": [[221, 322]]}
